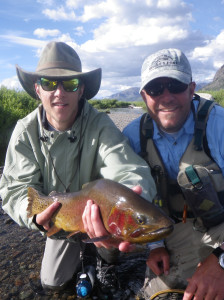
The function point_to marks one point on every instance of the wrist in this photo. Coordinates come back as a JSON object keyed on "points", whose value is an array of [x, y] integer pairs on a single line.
{"points": [[155, 245], [40, 227], [219, 253]]}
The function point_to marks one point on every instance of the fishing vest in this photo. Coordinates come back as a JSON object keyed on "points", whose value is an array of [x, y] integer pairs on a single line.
{"points": [[198, 191]]}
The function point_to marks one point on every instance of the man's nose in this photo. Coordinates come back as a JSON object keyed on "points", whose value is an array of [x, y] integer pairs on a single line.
{"points": [[167, 95], [59, 89]]}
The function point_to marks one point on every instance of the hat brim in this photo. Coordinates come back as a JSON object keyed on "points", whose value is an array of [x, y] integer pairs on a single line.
{"points": [[91, 80], [180, 76]]}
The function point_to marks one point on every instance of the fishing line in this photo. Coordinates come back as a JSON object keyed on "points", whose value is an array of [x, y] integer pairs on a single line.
{"points": [[170, 294]]}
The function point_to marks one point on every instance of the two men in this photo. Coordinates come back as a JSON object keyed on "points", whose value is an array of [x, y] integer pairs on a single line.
{"points": [[65, 143]]}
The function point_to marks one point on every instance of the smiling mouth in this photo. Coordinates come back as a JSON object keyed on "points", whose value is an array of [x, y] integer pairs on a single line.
{"points": [[60, 104], [168, 109]]}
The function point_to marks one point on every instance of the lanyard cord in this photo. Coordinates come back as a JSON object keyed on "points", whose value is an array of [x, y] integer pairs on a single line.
{"points": [[67, 190]]}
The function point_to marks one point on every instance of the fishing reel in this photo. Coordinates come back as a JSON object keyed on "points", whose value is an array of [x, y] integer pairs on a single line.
{"points": [[85, 282]]}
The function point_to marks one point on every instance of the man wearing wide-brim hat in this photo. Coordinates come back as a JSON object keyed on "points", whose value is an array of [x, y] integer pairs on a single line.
{"points": [[60, 146]]}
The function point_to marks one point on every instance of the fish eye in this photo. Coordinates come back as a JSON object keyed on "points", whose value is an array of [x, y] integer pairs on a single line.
{"points": [[141, 219]]}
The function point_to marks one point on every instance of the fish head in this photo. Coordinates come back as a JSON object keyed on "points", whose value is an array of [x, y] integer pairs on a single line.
{"points": [[137, 225]]}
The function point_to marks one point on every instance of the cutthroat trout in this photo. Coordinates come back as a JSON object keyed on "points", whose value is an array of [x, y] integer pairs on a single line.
{"points": [[126, 215]]}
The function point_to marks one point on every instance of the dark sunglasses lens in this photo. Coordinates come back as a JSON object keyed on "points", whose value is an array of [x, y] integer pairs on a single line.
{"points": [[71, 85], [154, 89], [176, 87], [157, 88], [48, 85]]}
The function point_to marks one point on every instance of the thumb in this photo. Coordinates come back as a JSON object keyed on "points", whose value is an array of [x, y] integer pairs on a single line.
{"points": [[45, 216], [137, 189]]}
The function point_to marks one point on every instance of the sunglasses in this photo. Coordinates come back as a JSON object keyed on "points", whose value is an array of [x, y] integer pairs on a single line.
{"points": [[155, 88], [70, 85]]}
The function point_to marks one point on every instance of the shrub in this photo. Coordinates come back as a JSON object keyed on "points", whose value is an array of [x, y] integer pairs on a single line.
{"points": [[217, 95], [14, 105]]}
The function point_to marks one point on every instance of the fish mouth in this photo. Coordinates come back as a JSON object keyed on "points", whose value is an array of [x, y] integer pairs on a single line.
{"points": [[160, 232], [163, 230]]}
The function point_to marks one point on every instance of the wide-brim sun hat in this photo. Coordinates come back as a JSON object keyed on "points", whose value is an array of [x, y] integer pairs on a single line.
{"points": [[171, 63], [60, 61]]}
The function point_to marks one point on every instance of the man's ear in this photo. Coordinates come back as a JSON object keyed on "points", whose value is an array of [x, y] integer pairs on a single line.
{"points": [[37, 89], [192, 87], [143, 96]]}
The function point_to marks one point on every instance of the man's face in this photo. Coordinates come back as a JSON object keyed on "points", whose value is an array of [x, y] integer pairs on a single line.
{"points": [[169, 110], [61, 107]]}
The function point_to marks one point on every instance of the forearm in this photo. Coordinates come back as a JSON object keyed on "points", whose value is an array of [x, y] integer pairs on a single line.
{"points": [[123, 165]]}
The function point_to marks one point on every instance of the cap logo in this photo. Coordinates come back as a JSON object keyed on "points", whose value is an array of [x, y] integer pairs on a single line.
{"points": [[163, 60]]}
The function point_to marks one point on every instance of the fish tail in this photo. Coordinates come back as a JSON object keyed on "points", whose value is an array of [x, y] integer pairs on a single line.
{"points": [[35, 203]]}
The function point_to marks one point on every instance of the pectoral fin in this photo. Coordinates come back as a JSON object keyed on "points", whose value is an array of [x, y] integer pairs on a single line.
{"points": [[97, 239], [53, 230], [72, 233]]}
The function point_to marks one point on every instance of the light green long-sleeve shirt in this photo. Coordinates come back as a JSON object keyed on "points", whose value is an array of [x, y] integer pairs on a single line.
{"points": [[100, 150]]}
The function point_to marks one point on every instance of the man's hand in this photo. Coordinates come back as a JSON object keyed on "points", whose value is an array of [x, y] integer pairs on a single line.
{"points": [[207, 283], [159, 261], [94, 226], [45, 216]]}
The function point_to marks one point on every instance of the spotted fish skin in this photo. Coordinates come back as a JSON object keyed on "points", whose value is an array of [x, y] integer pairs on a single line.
{"points": [[126, 215]]}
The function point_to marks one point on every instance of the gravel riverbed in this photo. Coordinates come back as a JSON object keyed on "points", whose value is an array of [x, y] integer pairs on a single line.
{"points": [[21, 253]]}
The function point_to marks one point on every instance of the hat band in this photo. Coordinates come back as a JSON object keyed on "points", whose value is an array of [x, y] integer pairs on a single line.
{"points": [[58, 65]]}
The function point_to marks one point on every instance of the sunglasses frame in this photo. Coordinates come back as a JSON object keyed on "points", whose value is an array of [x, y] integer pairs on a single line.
{"points": [[174, 86], [39, 81]]}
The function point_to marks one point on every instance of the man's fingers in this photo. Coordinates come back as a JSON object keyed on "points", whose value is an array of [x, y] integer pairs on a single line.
{"points": [[86, 219], [45, 216], [126, 247], [137, 189], [190, 290]]}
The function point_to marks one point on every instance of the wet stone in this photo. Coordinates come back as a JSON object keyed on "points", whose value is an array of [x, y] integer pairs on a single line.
{"points": [[25, 295], [5, 276], [8, 221]]}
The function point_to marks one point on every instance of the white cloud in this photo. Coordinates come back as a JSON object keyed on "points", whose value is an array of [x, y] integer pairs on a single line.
{"points": [[130, 30], [43, 33], [11, 83], [59, 14], [128, 23], [123, 33], [77, 3], [79, 31], [46, 2], [24, 41], [212, 52]]}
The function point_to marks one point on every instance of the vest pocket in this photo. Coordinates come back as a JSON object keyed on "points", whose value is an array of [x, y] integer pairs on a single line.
{"points": [[200, 194]]}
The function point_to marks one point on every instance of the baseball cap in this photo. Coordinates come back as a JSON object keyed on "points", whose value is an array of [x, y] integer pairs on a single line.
{"points": [[170, 63]]}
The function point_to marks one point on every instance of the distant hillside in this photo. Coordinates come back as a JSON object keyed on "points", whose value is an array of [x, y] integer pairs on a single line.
{"points": [[131, 94], [200, 86], [217, 83]]}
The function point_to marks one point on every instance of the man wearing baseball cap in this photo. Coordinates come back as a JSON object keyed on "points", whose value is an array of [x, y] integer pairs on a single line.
{"points": [[60, 146], [181, 138]]}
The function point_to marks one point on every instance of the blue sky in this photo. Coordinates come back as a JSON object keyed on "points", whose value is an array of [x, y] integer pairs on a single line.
{"points": [[116, 35]]}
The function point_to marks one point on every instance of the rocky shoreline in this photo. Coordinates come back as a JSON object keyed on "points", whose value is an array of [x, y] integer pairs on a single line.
{"points": [[21, 253]]}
